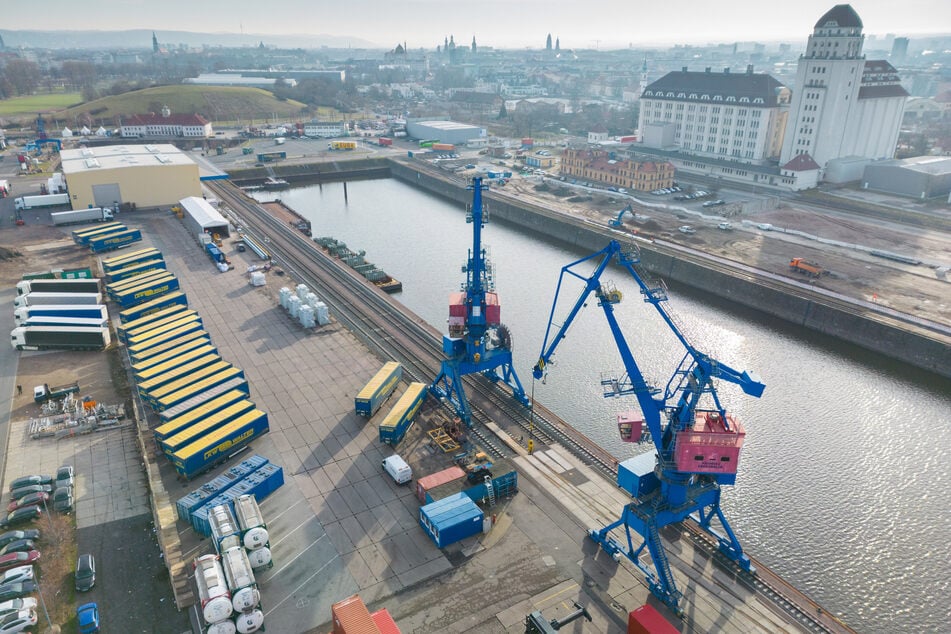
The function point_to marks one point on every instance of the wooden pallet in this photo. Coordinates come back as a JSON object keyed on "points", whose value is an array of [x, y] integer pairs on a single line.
{"points": [[443, 440]]}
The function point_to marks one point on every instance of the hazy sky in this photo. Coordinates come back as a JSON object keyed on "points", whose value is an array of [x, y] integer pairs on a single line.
{"points": [[498, 23]]}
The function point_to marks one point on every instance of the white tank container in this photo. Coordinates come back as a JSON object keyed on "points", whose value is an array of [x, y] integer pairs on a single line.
{"points": [[322, 313], [222, 627], [213, 590], [293, 306], [246, 599], [251, 521], [311, 299], [302, 290], [284, 294], [224, 528], [250, 622], [306, 317], [260, 558]]}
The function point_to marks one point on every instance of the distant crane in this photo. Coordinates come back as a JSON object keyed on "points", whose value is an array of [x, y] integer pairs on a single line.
{"points": [[697, 443], [477, 342]]}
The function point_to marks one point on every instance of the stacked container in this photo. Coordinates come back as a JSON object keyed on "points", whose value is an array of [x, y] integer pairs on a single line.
{"points": [[213, 590], [245, 596], [293, 306], [284, 294], [224, 528], [307, 318]]}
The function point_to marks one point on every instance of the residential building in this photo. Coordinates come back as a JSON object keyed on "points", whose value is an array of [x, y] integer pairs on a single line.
{"points": [[735, 115], [166, 126], [598, 166], [844, 105]]}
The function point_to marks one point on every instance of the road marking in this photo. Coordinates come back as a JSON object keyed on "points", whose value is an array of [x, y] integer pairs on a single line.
{"points": [[288, 508], [291, 532], [278, 571], [304, 583]]}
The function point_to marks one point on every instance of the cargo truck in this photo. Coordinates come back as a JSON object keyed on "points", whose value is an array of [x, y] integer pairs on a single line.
{"points": [[58, 286], [399, 419], [59, 338], [112, 241], [385, 141], [45, 200], [801, 265], [380, 387], [49, 299], [342, 145], [60, 310], [95, 214], [219, 445], [444, 147], [45, 392]]}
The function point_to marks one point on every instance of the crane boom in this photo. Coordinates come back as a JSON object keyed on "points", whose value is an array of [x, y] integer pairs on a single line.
{"points": [[697, 443]]}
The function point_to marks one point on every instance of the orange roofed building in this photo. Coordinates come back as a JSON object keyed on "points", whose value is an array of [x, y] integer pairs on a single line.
{"points": [[598, 166]]}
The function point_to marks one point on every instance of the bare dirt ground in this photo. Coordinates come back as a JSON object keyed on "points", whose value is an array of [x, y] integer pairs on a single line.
{"points": [[923, 290]]}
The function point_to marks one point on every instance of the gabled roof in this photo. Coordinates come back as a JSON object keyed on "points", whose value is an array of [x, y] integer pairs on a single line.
{"points": [[840, 15], [694, 85], [801, 163]]}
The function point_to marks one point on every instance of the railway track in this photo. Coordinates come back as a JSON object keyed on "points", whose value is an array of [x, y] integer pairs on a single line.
{"points": [[385, 328]]}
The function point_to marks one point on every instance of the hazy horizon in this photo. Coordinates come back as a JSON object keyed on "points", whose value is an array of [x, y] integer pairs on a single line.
{"points": [[497, 24]]}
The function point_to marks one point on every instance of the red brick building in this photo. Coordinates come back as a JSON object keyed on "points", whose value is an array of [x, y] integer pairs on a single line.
{"points": [[597, 166]]}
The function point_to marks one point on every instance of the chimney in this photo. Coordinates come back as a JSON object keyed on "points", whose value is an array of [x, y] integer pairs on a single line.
{"points": [[749, 69], [726, 70]]}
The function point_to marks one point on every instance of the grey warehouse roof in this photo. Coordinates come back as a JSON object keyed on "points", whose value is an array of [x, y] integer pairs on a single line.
{"points": [[708, 86]]}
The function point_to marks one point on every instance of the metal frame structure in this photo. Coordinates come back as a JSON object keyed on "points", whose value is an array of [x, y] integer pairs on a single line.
{"points": [[483, 348], [667, 495]]}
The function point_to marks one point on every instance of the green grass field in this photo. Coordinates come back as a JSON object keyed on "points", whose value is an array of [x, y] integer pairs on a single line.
{"points": [[23, 106]]}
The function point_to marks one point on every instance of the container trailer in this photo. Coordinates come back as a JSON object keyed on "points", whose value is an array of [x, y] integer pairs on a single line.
{"points": [[45, 392], [57, 299], [129, 326], [153, 306], [101, 244], [97, 311], [172, 371], [126, 333], [380, 387], [162, 326], [209, 490], [114, 288], [58, 286], [399, 419], [205, 426], [136, 350], [123, 260], [200, 386], [152, 396], [59, 338], [163, 347], [139, 294], [196, 346], [81, 322], [94, 214], [138, 268], [220, 444], [39, 275], [83, 236], [44, 200], [201, 399], [171, 427]]}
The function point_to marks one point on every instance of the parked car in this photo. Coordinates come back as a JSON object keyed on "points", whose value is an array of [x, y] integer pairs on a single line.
{"points": [[19, 558], [64, 476], [686, 229], [17, 621], [33, 488], [765, 226], [63, 504], [28, 500], [19, 546], [20, 574], [12, 536], [88, 617], [15, 605], [63, 493], [30, 480], [726, 226], [85, 572], [714, 203], [21, 516], [16, 590]]}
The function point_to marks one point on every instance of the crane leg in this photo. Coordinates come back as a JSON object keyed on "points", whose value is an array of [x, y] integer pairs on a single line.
{"points": [[729, 544]]}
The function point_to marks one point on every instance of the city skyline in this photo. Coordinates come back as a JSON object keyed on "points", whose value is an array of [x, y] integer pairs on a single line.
{"points": [[425, 23]]}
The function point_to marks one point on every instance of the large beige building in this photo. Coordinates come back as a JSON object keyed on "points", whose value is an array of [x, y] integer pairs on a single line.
{"points": [[143, 175]]}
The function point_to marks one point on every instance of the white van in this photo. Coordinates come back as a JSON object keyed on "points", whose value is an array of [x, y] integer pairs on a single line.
{"points": [[398, 469]]}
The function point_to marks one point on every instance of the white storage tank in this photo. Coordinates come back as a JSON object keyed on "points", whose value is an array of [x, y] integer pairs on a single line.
{"points": [[213, 590], [293, 306], [224, 528], [249, 622], [302, 290], [322, 313], [284, 294], [260, 558], [307, 318], [222, 627], [251, 521], [244, 589]]}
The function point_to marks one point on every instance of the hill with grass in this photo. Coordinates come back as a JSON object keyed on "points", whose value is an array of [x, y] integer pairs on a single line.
{"points": [[218, 104]]}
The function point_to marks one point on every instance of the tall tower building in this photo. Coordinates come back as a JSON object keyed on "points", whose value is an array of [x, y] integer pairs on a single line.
{"points": [[643, 83], [843, 105], [899, 50]]}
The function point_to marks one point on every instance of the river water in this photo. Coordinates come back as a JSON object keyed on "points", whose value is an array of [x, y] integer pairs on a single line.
{"points": [[843, 487]]}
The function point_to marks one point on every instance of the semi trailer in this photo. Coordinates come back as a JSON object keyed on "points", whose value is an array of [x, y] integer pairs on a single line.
{"points": [[59, 338], [44, 200], [98, 311], [58, 286], [77, 216], [49, 299]]}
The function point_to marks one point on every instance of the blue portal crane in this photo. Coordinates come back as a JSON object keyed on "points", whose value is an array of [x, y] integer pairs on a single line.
{"points": [[478, 342], [696, 442]]}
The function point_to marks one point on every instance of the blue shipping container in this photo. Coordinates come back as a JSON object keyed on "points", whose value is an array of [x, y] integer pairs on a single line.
{"points": [[141, 310], [146, 292], [160, 349], [180, 312], [115, 240], [399, 419], [117, 262], [260, 484], [137, 269], [503, 485], [378, 389], [226, 480], [114, 288], [451, 519], [219, 445], [150, 318], [265, 481], [86, 235], [137, 350]]}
